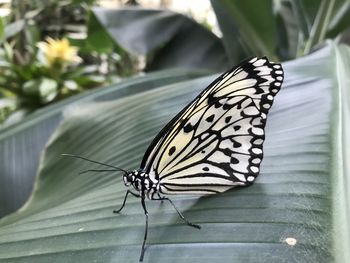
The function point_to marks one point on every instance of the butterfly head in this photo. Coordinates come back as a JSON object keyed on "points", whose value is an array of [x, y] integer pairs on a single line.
{"points": [[129, 178], [140, 180]]}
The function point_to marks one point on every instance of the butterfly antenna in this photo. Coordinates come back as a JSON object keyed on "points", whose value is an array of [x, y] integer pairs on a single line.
{"points": [[92, 161], [94, 170]]}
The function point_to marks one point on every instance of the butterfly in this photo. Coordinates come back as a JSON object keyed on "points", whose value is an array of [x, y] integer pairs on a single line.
{"points": [[214, 144]]}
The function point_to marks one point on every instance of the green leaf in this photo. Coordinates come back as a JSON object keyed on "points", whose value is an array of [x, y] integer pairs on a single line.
{"points": [[300, 196], [234, 46], [14, 28], [338, 14], [340, 20], [172, 39], [320, 25], [301, 17], [8, 52], [31, 134], [98, 39], [283, 43], [309, 9], [87, 2], [2, 29], [44, 89], [341, 156], [32, 33], [255, 23], [7, 105]]}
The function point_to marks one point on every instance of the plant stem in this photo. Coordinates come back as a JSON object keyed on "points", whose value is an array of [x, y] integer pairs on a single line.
{"points": [[319, 27]]}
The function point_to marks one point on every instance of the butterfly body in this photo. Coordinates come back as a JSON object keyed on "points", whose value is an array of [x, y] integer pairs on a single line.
{"points": [[145, 185]]}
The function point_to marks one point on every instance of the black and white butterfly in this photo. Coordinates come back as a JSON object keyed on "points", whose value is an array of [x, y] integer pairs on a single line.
{"points": [[215, 143]]}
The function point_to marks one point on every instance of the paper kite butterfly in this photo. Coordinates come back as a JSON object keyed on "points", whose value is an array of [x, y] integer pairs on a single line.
{"points": [[215, 143]]}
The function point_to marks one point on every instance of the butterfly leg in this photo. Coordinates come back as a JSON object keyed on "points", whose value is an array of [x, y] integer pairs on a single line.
{"points": [[126, 196], [160, 198], [179, 213], [146, 228]]}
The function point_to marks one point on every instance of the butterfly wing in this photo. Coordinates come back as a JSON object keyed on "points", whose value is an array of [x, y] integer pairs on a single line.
{"points": [[216, 141]]}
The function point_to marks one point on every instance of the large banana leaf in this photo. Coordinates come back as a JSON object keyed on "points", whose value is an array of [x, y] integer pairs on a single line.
{"points": [[18, 168], [297, 211], [251, 22], [171, 39]]}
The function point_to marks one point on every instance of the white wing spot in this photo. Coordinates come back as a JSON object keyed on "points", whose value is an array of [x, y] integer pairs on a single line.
{"points": [[254, 169], [256, 121], [279, 78], [259, 63], [251, 111], [258, 141], [256, 150], [269, 97], [204, 136], [253, 59], [250, 178], [276, 66], [258, 131], [279, 72], [240, 176], [266, 106], [256, 160], [277, 84]]}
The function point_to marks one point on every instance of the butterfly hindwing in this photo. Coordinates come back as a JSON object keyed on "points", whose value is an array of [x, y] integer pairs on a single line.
{"points": [[216, 142]]}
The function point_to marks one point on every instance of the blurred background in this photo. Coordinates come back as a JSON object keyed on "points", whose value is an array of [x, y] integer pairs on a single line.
{"points": [[54, 49], [101, 78], [51, 50]]}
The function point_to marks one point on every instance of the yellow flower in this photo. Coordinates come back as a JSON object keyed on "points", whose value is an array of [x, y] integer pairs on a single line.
{"points": [[56, 51]]}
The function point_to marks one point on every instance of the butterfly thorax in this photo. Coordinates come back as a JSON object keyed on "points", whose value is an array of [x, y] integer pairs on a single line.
{"points": [[142, 182]]}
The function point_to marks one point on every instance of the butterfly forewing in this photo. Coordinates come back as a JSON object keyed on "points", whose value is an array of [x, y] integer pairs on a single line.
{"points": [[216, 142]]}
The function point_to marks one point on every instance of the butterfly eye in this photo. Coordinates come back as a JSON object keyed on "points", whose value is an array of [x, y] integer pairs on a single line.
{"points": [[127, 178]]}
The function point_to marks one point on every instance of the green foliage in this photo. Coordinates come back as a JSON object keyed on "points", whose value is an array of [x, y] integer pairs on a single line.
{"points": [[254, 23], [69, 216], [302, 192], [17, 177], [34, 83], [279, 29], [26, 82], [110, 40], [167, 39]]}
